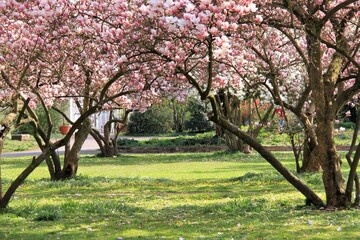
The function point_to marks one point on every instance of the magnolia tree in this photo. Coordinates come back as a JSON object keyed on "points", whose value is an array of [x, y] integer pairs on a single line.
{"points": [[281, 75], [52, 51], [23, 43], [203, 44], [325, 38]]}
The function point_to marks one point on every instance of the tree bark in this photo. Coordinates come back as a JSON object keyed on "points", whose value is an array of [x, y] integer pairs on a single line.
{"points": [[5, 125], [108, 145], [309, 163], [71, 158], [353, 163], [99, 139], [323, 88], [1, 149], [326, 154], [20, 179], [291, 178]]}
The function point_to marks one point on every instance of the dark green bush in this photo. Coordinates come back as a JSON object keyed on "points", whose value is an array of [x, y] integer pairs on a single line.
{"points": [[156, 120], [208, 138], [127, 142], [170, 116], [347, 125], [198, 121]]}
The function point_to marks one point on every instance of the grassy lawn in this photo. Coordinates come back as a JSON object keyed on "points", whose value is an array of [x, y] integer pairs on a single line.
{"points": [[15, 145], [169, 196]]}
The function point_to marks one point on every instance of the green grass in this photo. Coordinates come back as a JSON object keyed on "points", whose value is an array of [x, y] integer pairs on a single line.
{"points": [[15, 145], [273, 138], [169, 196]]}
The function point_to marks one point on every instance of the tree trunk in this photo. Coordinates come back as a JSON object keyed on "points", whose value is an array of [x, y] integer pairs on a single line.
{"points": [[291, 178], [72, 156], [4, 201], [325, 153], [353, 178], [23, 175], [1, 149], [51, 168], [5, 126], [233, 142], [108, 145], [309, 163], [323, 88], [231, 109], [98, 139]]}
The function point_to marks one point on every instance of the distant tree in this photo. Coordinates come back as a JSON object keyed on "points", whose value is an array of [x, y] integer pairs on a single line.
{"points": [[106, 140], [155, 120], [197, 120], [179, 113]]}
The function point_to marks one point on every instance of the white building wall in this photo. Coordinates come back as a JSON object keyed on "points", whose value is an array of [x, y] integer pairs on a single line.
{"points": [[98, 119]]}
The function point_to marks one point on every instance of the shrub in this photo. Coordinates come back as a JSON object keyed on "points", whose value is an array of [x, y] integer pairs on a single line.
{"points": [[198, 121], [127, 142], [156, 120], [347, 125], [208, 138]]}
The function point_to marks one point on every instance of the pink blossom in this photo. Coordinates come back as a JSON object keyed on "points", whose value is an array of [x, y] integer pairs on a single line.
{"points": [[32, 104], [2, 5], [202, 7], [143, 9], [258, 19], [190, 7], [213, 30]]}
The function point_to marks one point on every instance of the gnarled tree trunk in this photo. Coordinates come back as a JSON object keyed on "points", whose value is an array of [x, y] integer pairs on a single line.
{"points": [[326, 154], [309, 163], [323, 88], [231, 109], [72, 153], [108, 145], [6, 124], [353, 163]]}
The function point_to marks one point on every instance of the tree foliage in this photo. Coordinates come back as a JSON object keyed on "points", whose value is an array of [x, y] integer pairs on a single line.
{"points": [[197, 120], [155, 120]]}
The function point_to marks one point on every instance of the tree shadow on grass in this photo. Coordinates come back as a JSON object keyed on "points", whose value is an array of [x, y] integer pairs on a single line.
{"points": [[256, 183], [239, 217]]}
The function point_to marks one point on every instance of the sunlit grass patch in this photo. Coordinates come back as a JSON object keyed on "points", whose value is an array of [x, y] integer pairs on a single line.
{"points": [[170, 196], [16, 146]]}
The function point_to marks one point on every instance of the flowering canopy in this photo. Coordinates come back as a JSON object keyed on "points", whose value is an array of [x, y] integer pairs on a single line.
{"points": [[57, 50]]}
